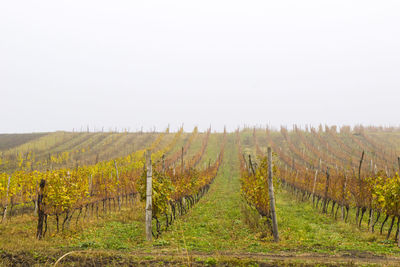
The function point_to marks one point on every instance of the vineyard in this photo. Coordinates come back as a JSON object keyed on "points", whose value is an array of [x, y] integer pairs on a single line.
{"points": [[322, 191], [330, 174]]}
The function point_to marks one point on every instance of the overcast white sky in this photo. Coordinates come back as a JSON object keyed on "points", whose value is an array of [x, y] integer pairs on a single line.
{"points": [[128, 64]]}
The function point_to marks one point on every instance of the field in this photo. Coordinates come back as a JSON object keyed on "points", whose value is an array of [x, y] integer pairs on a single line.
{"points": [[210, 197]]}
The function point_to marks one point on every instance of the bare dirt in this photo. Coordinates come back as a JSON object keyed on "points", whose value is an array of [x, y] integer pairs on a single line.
{"points": [[102, 258]]}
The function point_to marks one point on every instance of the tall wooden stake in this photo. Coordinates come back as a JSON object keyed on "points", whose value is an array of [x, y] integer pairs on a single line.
{"points": [[398, 237], [324, 209], [149, 190], [398, 159], [315, 183], [90, 185], [344, 194], [360, 183], [251, 165], [182, 162], [272, 197], [359, 167], [39, 232], [163, 164], [8, 201], [118, 191]]}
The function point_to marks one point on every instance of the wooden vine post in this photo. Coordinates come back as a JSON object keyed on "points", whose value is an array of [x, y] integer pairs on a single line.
{"points": [[324, 209], [163, 163], [272, 197], [314, 185], [398, 160], [251, 166], [7, 203], [90, 185], [359, 169], [149, 190], [398, 237], [344, 194], [182, 161], [39, 232], [118, 189], [360, 186]]}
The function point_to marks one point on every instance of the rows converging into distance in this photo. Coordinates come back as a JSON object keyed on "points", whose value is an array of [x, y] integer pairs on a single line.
{"points": [[60, 179]]}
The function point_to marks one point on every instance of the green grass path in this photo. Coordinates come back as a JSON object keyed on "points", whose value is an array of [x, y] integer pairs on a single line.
{"points": [[215, 222]]}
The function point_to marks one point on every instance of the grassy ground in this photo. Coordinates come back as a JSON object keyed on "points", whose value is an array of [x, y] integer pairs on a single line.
{"points": [[220, 229]]}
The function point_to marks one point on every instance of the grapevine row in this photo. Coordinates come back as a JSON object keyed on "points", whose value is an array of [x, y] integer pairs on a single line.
{"points": [[336, 186]]}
